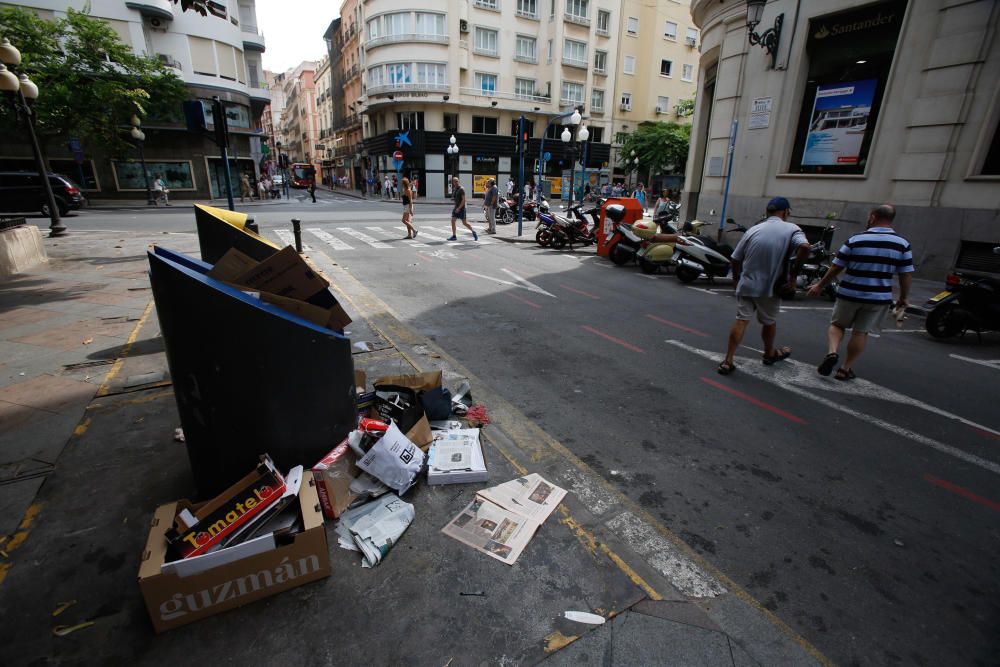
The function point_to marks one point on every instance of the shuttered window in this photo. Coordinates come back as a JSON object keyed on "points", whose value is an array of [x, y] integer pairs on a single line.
{"points": [[202, 56], [227, 61], [241, 67]]}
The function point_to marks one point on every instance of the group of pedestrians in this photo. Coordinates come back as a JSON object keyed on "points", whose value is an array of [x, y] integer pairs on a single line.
{"points": [[764, 270]]}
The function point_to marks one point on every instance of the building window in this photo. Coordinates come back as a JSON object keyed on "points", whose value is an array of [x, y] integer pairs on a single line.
{"points": [[524, 88], [626, 102], [572, 93], [579, 9], [432, 74], [670, 30], [486, 83], [633, 26], [550, 51], [526, 49], [375, 78], [484, 125], [850, 54], [596, 135], [597, 100], [450, 122], [527, 8], [373, 29], [397, 25], [430, 24], [575, 53], [662, 104], [666, 68], [991, 165], [486, 42], [603, 22], [629, 65], [687, 72], [621, 137], [692, 36], [202, 56], [410, 120], [600, 62], [398, 74], [552, 9], [488, 4]]}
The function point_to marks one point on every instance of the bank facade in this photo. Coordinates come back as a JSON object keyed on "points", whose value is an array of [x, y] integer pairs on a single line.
{"points": [[859, 103]]}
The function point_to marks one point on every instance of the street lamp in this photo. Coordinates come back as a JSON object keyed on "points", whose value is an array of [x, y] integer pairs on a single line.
{"points": [[139, 137], [452, 151], [768, 39], [21, 94], [572, 137]]}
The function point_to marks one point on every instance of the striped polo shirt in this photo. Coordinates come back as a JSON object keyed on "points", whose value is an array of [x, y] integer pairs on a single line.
{"points": [[870, 260]]}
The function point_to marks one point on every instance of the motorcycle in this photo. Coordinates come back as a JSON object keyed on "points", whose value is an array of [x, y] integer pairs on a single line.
{"points": [[968, 301], [548, 232], [577, 227], [818, 263], [654, 254], [506, 211], [703, 254]]}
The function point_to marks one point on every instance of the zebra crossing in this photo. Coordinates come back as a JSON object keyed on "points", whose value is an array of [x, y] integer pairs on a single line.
{"points": [[343, 238]]}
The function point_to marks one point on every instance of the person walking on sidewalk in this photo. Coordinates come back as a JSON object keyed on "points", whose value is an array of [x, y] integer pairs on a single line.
{"points": [[312, 189], [459, 212], [868, 261], [245, 190], [411, 231], [759, 262], [160, 190], [387, 188], [490, 206]]}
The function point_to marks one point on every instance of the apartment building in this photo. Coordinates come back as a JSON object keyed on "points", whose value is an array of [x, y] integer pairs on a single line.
{"points": [[656, 68], [323, 80], [273, 112], [343, 39], [300, 120], [215, 55]]}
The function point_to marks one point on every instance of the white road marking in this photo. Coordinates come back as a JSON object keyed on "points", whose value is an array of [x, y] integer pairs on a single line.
{"points": [[409, 242], [520, 282], [594, 497], [706, 291], [434, 237], [989, 363], [288, 238], [795, 376], [361, 236], [646, 275], [329, 239], [464, 236], [661, 554], [444, 254]]}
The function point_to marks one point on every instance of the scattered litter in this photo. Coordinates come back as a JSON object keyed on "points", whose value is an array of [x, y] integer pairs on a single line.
{"points": [[584, 617], [393, 459], [374, 528], [88, 341], [456, 457], [118, 246], [363, 346], [501, 520], [63, 606], [178, 435], [478, 594], [898, 542], [63, 630], [476, 416]]}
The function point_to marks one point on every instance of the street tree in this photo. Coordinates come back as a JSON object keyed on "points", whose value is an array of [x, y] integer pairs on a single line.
{"points": [[658, 146], [90, 83]]}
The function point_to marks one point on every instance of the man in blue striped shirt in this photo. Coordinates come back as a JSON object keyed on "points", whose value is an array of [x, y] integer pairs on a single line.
{"points": [[868, 261]]}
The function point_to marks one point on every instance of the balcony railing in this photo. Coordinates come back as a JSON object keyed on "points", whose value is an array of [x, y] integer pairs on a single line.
{"points": [[402, 87], [570, 102], [573, 62], [600, 71], [526, 58], [487, 4], [498, 95], [576, 18], [527, 15], [480, 51], [352, 72], [405, 37]]}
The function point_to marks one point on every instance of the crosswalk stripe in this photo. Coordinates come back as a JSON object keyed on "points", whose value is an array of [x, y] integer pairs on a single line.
{"points": [[289, 239], [463, 237], [409, 242], [361, 236], [435, 237], [329, 239]]}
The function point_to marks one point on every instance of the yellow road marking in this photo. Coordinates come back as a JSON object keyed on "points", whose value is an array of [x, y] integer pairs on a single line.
{"points": [[19, 536], [117, 366]]}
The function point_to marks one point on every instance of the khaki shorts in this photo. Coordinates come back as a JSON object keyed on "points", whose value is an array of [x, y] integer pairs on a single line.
{"points": [[766, 308], [859, 317]]}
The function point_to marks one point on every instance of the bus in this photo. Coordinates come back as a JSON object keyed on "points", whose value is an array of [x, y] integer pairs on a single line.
{"points": [[302, 175]]}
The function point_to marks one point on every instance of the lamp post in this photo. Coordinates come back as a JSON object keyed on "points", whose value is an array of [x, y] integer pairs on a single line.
{"points": [[572, 137], [21, 93], [139, 137], [282, 170], [575, 111], [635, 170], [768, 40], [453, 153]]}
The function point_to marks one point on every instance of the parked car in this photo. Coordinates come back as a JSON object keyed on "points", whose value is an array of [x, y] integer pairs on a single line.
{"points": [[22, 191]]}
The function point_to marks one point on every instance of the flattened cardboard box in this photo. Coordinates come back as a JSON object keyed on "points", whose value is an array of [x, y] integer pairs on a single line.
{"points": [[174, 601]]}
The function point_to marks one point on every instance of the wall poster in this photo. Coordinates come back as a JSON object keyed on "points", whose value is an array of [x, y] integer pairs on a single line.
{"points": [[838, 123]]}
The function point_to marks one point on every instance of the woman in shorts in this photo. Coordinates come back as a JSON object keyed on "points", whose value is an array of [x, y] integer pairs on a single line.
{"points": [[411, 231]]}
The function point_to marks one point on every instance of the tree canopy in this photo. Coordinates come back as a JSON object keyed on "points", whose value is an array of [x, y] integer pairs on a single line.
{"points": [[89, 82], [658, 146]]}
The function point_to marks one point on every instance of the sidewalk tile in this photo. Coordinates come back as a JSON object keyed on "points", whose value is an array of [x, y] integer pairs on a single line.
{"points": [[48, 392]]}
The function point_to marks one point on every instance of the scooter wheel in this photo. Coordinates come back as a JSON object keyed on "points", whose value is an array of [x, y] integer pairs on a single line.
{"points": [[543, 237], [686, 274], [558, 240], [617, 255], [944, 321], [647, 266]]}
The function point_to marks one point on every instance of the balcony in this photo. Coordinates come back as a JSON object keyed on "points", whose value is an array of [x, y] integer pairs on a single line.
{"points": [[252, 40], [351, 72], [570, 102], [533, 16], [576, 18], [526, 58], [154, 9], [405, 37], [600, 71], [573, 62], [480, 51], [388, 88], [495, 95], [258, 92]]}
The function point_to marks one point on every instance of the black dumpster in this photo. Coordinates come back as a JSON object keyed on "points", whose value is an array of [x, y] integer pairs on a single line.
{"points": [[219, 230], [249, 378]]}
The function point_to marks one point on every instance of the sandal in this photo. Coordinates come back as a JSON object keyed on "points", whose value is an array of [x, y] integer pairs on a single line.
{"points": [[780, 354], [829, 361], [726, 368], [845, 374]]}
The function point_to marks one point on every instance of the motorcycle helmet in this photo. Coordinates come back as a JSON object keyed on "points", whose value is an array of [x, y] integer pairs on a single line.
{"points": [[645, 229]]}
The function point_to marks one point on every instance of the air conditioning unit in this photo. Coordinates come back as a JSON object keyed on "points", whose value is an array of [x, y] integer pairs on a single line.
{"points": [[463, 25], [690, 41], [660, 110]]}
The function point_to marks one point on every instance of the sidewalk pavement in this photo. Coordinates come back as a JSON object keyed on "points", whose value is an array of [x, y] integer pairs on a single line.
{"points": [[88, 414]]}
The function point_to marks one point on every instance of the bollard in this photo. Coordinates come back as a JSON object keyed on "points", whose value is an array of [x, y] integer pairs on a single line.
{"points": [[297, 230], [252, 226]]}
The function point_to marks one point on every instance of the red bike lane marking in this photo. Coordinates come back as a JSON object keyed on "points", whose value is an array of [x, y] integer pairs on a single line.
{"points": [[753, 401], [614, 340], [985, 434], [678, 326], [965, 493], [522, 300], [580, 292]]}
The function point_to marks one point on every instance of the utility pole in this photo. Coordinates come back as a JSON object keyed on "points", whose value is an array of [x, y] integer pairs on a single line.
{"points": [[522, 147]]}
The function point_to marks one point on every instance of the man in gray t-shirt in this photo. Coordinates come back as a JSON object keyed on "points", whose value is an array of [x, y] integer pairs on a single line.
{"points": [[758, 263]]}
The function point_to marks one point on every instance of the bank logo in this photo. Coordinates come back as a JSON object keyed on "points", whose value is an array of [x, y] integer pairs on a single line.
{"points": [[821, 33]]}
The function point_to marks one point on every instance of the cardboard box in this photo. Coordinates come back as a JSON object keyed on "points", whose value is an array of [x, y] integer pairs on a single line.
{"points": [[334, 474], [286, 274], [420, 433], [174, 601]]}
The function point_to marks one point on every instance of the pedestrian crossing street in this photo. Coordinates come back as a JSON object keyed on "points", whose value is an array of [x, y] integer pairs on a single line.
{"points": [[344, 238]]}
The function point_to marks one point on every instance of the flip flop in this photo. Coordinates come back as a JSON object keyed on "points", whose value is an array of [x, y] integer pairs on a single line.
{"points": [[829, 361], [845, 374], [780, 354], [726, 369]]}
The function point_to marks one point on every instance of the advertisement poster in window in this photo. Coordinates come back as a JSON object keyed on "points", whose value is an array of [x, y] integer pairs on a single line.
{"points": [[839, 122]]}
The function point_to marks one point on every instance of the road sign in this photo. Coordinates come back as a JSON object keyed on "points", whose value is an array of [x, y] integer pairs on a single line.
{"points": [[398, 155], [547, 156]]}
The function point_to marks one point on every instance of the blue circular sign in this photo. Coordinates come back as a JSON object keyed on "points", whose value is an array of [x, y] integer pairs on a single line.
{"points": [[547, 156]]}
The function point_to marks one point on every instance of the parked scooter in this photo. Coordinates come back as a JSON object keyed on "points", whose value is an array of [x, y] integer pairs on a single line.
{"points": [[623, 244], [548, 232], [506, 211], [652, 255], [577, 227], [818, 263], [968, 302], [702, 254]]}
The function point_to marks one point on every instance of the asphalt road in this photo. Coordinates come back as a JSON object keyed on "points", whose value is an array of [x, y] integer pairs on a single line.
{"points": [[866, 515]]}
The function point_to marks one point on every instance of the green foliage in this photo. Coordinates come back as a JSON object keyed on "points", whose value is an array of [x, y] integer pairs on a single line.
{"points": [[89, 82], [685, 108], [657, 145]]}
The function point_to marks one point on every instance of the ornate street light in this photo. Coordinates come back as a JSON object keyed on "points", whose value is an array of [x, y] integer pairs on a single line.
{"points": [[21, 94], [768, 40], [573, 137], [139, 138]]}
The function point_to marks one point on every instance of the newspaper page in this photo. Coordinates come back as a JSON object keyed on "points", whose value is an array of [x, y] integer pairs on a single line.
{"points": [[492, 530], [374, 527], [530, 496]]}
